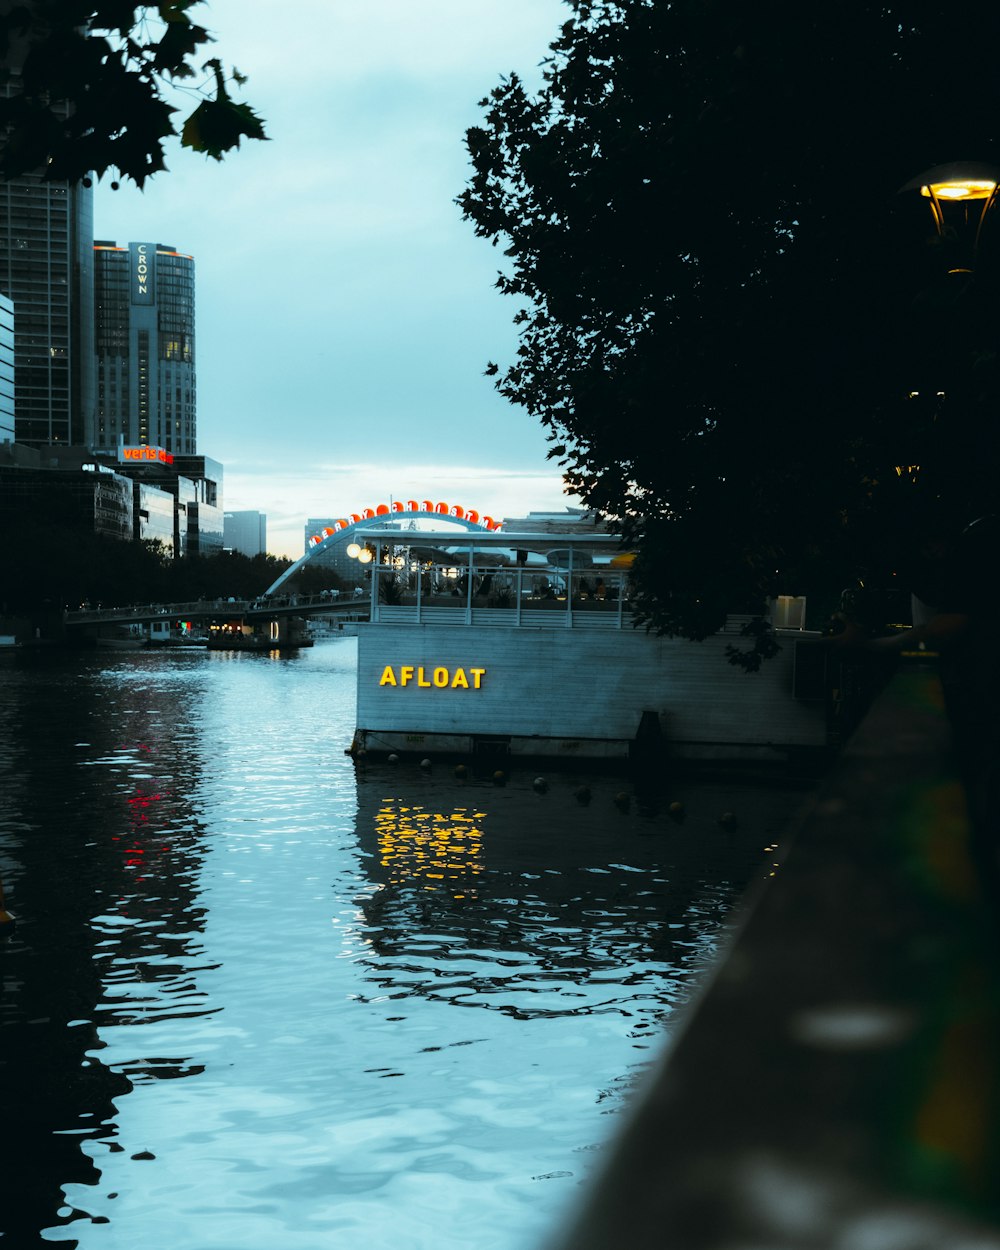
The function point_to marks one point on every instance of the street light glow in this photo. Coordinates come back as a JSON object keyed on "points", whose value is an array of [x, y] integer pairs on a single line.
{"points": [[960, 189]]}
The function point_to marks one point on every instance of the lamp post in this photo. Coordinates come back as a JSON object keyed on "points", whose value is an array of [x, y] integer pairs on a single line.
{"points": [[951, 337], [961, 195]]}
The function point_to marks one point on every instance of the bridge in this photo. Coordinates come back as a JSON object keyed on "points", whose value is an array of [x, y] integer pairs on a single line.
{"points": [[401, 516], [326, 603]]}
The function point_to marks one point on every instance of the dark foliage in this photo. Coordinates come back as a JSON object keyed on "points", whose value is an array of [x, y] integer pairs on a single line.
{"points": [[725, 304], [84, 567], [88, 89]]}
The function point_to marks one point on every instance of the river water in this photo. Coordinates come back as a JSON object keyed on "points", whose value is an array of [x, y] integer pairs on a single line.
{"points": [[260, 997]]}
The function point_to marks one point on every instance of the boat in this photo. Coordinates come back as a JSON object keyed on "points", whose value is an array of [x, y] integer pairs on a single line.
{"points": [[281, 636], [481, 655]]}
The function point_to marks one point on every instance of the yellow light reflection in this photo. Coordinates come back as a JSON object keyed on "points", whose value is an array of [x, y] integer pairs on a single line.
{"points": [[429, 849]]}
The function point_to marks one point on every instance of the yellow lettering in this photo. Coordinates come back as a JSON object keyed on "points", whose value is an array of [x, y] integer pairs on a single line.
{"points": [[440, 677]]}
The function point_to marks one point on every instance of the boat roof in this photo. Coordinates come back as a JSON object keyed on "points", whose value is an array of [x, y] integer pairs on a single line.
{"points": [[489, 538]]}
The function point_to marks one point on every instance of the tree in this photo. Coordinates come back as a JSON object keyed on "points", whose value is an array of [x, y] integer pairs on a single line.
{"points": [[85, 87], [724, 304]]}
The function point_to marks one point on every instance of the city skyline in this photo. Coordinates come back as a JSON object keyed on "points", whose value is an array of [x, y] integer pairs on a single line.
{"points": [[345, 312]]}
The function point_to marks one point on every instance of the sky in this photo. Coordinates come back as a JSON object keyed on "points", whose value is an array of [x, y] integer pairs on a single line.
{"points": [[345, 312]]}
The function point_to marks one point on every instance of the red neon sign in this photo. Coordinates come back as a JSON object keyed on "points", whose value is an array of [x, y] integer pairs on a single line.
{"points": [[455, 511], [147, 453]]}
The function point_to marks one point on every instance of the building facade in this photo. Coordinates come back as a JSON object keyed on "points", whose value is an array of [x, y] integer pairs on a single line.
{"points": [[6, 370], [145, 348], [180, 500], [245, 532], [46, 269], [42, 493]]}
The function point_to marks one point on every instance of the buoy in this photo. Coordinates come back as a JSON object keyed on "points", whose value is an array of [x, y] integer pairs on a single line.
{"points": [[461, 770], [425, 765], [728, 820], [360, 753], [540, 785], [623, 801], [499, 778], [676, 811], [393, 759], [582, 794]]}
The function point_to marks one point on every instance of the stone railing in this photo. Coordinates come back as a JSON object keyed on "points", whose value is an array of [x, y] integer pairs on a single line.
{"points": [[834, 1084]]}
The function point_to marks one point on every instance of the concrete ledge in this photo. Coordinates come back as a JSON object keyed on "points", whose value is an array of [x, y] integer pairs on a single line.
{"points": [[836, 1083]]}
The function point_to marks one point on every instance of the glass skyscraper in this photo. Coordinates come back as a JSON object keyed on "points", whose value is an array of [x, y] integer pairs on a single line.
{"points": [[144, 342], [46, 269]]}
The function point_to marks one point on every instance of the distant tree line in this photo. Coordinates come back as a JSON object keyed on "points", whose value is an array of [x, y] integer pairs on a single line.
{"points": [[40, 571]]}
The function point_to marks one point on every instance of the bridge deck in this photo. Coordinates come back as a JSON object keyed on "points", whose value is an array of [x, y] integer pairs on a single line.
{"points": [[220, 609]]}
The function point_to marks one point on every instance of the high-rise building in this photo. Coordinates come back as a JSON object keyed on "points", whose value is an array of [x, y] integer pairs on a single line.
{"points": [[47, 269], [245, 532], [144, 341], [6, 370]]}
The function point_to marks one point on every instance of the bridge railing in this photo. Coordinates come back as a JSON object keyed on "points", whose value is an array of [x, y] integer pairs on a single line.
{"points": [[200, 609], [154, 611]]}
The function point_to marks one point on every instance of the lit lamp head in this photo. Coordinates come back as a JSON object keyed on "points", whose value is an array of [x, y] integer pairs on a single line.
{"points": [[354, 551], [963, 184], [365, 555]]}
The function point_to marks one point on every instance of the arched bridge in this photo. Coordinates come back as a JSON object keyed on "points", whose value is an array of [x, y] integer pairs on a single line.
{"points": [[342, 532]]}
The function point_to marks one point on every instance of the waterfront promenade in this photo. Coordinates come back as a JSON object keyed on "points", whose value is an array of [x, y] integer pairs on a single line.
{"points": [[835, 1085]]}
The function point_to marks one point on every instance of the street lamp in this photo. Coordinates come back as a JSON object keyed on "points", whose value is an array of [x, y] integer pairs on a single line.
{"points": [[955, 191], [953, 321]]}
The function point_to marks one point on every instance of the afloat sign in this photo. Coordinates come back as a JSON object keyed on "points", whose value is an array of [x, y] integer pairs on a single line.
{"points": [[147, 453], [440, 678], [420, 507]]}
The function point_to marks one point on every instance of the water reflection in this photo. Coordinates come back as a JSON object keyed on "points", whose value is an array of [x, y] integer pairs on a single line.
{"points": [[258, 998], [505, 899], [439, 852], [100, 847]]}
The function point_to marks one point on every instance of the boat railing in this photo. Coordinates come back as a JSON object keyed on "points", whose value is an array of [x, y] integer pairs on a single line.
{"points": [[503, 597]]}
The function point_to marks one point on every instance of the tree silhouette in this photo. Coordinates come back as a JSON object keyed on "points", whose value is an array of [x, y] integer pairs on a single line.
{"points": [[85, 89], [725, 305]]}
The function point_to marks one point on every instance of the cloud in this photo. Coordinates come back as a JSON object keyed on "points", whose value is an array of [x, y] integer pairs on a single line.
{"points": [[344, 310]]}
